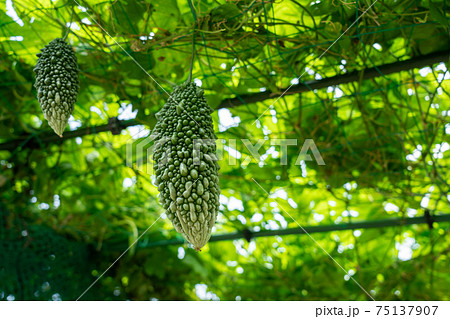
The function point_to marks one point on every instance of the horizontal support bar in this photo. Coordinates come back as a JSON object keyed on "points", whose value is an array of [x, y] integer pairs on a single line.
{"points": [[247, 234], [35, 140]]}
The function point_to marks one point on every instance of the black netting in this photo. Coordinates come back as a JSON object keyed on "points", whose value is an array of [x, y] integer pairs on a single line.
{"points": [[36, 263]]}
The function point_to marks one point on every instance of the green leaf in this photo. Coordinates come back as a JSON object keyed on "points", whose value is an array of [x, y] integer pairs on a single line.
{"points": [[438, 15]]}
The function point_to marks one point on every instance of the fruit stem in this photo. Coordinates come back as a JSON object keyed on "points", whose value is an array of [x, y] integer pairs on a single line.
{"points": [[192, 59], [191, 6], [70, 24]]}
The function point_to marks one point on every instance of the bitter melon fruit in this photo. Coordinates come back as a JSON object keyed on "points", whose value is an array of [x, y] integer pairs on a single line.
{"points": [[186, 168], [57, 83]]}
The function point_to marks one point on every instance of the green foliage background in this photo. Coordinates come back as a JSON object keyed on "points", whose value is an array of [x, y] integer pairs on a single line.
{"points": [[69, 209]]}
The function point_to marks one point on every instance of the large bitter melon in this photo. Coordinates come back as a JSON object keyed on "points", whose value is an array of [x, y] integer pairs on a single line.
{"points": [[187, 175], [57, 83]]}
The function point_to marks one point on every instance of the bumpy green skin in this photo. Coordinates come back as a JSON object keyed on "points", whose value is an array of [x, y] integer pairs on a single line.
{"points": [[188, 190], [57, 83]]}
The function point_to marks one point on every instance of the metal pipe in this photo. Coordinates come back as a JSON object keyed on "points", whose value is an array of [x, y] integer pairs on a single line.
{"points": [[248, 234], [35, 140]]}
